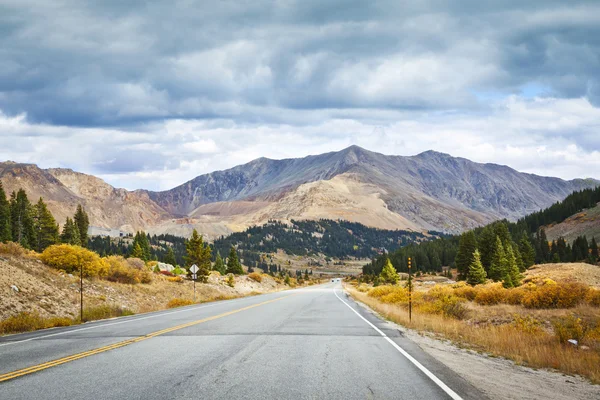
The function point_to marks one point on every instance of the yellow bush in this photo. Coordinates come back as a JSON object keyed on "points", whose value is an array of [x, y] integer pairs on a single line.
{"points": [[490, 295], [175, 279], [230, 280], [105, 311], [561, 295], [570, 327], [293, 282], [398, 295], [527, 324], [12, 249], [25, 322], [593, 297], [466, 292], [362, 288], [69, 258], [255, 276], [119, 270], [379, 291], [514, 296], [179, 303]]}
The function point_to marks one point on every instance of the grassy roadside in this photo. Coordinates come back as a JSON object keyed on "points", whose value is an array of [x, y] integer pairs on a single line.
{"points": [[522, 339]]}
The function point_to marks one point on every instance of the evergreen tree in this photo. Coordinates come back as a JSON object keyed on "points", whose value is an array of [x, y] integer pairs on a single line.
{"points": [[518, 257], [388, 273], [527, 252], [136, 252], [476, 274], [219, 265], [464, 257], [5, 220], [45, 226], [82, 222], [486, 244], [141, 239], [70, 233], [233, 264], [512, 277], [594, 249], [170, 257], [200, 254], [21, 212], [497, 271], [544, 246]]}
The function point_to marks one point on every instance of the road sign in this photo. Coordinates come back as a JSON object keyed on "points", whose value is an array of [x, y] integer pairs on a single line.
{"points": [[194, 269], [194, 276]]}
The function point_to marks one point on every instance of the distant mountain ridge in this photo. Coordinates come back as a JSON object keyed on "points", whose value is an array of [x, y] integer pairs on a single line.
{"points": [[428, 191]]}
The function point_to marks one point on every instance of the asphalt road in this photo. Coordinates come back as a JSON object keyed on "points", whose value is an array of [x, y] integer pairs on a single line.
{"points": [[311, 343]]}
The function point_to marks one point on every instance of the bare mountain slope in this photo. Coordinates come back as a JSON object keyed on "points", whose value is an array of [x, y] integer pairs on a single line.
{"points": [[429, 191], [64, 189]]}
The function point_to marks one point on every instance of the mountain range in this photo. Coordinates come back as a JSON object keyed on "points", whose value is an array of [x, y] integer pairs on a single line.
{"points": [[428, 191]]}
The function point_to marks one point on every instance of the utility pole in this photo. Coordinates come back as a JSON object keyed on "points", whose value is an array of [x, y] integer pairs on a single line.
{"points": [[80, 289], [409, 292]]}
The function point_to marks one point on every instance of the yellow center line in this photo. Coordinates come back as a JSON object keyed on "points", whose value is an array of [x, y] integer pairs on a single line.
{"points": [[50, 364]]}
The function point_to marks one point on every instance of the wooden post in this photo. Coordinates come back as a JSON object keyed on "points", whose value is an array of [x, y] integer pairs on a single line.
{"points": [[409, 292]]}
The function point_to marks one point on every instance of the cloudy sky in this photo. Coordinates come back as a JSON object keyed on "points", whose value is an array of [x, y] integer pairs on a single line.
{"points": [[151, 94]]}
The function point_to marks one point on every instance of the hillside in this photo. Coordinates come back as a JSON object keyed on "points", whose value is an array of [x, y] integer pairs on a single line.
{"points": [[52, 293], [586, 223], [429, 191]]}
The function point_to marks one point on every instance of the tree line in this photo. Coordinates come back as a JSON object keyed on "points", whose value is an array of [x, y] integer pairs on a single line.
{"points": [[503, 249], [34, 227]]}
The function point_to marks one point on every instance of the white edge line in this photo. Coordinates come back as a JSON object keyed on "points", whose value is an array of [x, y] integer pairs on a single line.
{"points": [[410, 358]]}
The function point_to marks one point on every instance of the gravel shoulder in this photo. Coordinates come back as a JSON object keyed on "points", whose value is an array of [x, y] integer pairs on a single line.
{"points": [[500, 378]]}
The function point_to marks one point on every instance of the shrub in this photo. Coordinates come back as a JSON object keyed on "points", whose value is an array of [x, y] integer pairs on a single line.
{"points": [[466, 292], [166, 273], [138, 263], [68, 258], [230, 280], [25, 322], [103, 312], [119, 270], [562, 295], [293, 282], [441, 300], [179, 271], [173, 303], [570, 327], [593, 297], [255, 276], [380, 291], [527, 324], [12, 249], [175, 279], [514, 296], [490, 295]]}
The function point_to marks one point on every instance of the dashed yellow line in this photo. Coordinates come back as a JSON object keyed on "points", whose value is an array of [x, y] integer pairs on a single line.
{"points": [[64, 360]]}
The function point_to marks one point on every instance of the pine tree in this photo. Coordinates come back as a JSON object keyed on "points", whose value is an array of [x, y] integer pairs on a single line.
{"points": [[200, 254], [141, 239], [21, 219], [464, 257], [233, 264], [486, 244], [5, 220], [527, 252], [45, 226], [219, 265], [170, 257], [497, 271], [136, 251], [388, 273], [82, 222], [594, 249], [70, 233], [518, 257], [544, 246], [512, 277], [476, 274]]}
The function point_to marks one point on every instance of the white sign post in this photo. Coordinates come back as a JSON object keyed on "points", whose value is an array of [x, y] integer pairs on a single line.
{"points": [[194, 269]]}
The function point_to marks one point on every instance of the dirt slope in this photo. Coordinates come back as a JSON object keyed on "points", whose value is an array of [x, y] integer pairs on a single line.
{"points": [[50, 293]]}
